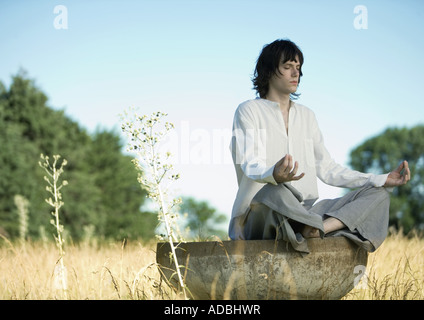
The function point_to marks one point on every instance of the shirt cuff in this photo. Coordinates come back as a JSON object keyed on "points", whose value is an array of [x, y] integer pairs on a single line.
{"points": [[269, 176], [379, 180], [260, 174]]}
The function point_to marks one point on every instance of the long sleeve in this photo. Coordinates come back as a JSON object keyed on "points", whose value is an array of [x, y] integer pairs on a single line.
{"points": [[249, 148], [336, 175]]}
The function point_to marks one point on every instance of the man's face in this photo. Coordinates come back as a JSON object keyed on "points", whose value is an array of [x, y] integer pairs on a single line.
{"points": [[286, 79]]}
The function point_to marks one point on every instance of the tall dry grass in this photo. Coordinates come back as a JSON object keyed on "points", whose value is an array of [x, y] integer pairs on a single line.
{"points": [[111, 271], [118, 271], [395, 271]]}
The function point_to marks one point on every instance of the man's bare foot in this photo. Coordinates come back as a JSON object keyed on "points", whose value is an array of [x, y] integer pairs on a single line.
{"points": [[332, 224], [310, 232]]}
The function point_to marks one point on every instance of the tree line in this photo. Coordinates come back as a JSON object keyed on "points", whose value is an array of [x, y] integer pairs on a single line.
{"points": [[103, 191]]}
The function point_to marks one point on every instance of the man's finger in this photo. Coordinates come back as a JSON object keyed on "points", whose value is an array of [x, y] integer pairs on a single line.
{"points": [[300, 176], [407, 174], [290, 165], [401, 166], [285, 163], [406, 167], [296, 166]]}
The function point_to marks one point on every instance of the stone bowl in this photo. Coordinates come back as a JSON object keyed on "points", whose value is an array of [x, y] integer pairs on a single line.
{"points": [[265, 269]]}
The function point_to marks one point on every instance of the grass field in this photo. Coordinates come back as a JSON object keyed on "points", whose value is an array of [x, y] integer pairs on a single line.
{"points": [[117, 271], [394, 272]]}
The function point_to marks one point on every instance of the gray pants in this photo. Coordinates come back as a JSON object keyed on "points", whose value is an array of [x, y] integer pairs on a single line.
{"points": [[276, 212]]}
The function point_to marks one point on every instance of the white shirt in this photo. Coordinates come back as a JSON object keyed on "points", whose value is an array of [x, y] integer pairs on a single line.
{"points": [[260, 139]]}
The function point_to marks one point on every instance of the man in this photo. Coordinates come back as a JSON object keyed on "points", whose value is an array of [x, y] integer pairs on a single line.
{"points": [[278, 153]]}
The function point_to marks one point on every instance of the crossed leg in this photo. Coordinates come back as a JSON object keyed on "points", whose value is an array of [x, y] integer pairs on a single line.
{"points": [[330, 224], [353, 204]]}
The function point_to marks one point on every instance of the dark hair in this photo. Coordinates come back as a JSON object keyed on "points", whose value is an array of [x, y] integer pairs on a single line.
{"points": [[269, 61]]}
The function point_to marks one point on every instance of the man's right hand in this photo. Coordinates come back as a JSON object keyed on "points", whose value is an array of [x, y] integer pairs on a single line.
{"points": [[284, 170]]}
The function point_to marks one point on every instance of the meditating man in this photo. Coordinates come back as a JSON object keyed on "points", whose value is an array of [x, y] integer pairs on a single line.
{"points": [[278, 152]]}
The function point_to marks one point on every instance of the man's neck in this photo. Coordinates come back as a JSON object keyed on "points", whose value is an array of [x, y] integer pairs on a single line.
{"points": [[282, 100]]}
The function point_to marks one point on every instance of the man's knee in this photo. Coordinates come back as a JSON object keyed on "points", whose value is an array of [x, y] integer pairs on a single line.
{"points": [[383, 193]]}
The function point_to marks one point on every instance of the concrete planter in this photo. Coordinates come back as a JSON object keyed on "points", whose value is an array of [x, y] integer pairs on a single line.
{"points": [[266, 269]]}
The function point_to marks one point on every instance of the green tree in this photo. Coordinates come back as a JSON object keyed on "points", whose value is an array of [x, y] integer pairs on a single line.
{"points": [[382, 154], [203, 220], [18, 154], [103, 190], [120, 193]]}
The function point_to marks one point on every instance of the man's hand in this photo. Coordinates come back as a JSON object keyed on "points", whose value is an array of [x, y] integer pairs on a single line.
{"points": [[396, 178], [284, 170]]}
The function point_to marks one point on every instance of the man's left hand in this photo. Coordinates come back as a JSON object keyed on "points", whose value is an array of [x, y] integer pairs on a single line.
{"points": [[397, 178]]}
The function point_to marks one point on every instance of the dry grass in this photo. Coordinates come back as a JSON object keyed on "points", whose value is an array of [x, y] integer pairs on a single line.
{"points": [[115, 271], [112, 271], [394, 272]]}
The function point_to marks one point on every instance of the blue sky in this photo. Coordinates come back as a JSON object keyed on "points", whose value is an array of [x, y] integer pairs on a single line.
{"points": [[194, 60]]}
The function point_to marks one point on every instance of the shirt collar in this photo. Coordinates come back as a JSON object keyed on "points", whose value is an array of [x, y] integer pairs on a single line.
{"points": [[275, 104]]}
